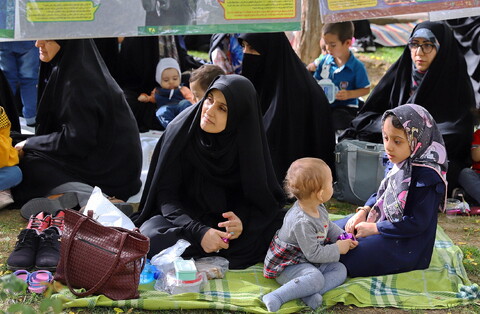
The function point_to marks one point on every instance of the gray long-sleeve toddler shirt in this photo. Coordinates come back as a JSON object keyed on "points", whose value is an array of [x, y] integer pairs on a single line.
{"points": [[310, 234]]}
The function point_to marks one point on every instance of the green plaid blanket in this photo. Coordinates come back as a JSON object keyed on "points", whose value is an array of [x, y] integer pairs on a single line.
{"points": [[444, 284]]}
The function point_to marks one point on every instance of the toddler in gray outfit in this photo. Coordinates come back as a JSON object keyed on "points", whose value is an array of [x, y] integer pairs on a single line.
{"points": [[304, 254]]}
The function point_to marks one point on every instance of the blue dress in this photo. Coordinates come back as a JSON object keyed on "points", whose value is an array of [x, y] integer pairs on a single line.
{"points": [[405, 245]]}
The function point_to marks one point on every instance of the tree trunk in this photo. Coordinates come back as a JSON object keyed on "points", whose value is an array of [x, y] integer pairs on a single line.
{"points": [[307, 41]]}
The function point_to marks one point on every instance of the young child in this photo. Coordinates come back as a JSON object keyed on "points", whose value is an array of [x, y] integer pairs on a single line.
{"points": [[304, 254], [396, 228], [170, 97], [10, 174], [469, 178], [347, 73], [201, 78], [313, 66]]}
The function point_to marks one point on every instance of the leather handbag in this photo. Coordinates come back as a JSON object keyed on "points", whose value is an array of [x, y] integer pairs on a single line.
{"points": [[102, 260]]}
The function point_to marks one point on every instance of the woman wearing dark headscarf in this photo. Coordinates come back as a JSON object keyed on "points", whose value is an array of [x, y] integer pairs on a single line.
{"points": [[86, 135], [432, 73], [295, 111], [211, 181], [467, 32]]}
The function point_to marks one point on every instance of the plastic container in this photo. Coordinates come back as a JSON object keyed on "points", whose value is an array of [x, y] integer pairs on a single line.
{"points": [[172, 285], [185, 269], [329, 89]]}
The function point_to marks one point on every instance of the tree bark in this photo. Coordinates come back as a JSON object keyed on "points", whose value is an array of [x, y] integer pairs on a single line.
{"points": [[307, 41]]}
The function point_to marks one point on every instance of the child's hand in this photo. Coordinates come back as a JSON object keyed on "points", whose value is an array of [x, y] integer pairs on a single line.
{"points": [[346, 245], [311, 67], [343, 95], [359, 217], [365, 229], [143, 97]]}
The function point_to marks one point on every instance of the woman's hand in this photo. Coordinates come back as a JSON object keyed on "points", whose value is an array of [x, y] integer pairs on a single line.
{"points": [[233, 225], [213, 241], [359, 217], [19, 148], [365, 229]]}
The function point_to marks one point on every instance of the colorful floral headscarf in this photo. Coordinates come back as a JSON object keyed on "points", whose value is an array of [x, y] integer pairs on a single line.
{"points": [[428, 150]]}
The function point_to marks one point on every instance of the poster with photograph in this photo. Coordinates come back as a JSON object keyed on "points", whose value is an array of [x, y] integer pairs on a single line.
{"points": [[42, 19], [7, 18], [348, 10]]}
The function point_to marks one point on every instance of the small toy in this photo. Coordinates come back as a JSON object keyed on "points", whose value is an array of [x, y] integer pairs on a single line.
{"points": [[346, 235]]}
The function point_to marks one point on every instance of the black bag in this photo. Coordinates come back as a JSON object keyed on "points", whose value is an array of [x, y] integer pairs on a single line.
{"points": [[360, 167]]}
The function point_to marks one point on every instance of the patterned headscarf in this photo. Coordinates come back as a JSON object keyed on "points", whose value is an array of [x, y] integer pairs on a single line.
{"points": [[428, 150]]}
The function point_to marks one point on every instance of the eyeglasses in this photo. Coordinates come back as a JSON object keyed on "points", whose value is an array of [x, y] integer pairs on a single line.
{"points": [[426, 48]]}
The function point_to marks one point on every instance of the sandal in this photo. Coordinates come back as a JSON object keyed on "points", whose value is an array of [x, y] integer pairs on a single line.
{"points": [[22, 274], [49, 205], [39, 280]]}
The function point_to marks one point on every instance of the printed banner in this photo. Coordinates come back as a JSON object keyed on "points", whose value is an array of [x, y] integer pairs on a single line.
{"points": [[7, 18], [348, 10], [47, 19]]}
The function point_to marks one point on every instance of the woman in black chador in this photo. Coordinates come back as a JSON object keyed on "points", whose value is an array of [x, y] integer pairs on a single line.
{"points": [[86, 134], [295, 111], [211, 180], [432, 73]]}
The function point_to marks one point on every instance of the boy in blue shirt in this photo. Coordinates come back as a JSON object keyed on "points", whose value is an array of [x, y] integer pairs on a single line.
{"points": [[345, 71]]}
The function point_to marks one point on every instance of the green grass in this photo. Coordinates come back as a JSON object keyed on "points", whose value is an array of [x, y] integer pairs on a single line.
{"points": [[387, 54], [471, 259], [199, 54]]}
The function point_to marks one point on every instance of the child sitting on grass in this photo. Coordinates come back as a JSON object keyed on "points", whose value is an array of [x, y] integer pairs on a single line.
{"points": [[304, 254]]}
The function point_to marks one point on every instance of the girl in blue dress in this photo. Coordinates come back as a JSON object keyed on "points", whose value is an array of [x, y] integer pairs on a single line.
{"points": [[396, 227]]}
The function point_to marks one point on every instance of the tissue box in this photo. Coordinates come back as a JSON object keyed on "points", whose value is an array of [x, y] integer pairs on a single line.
{"points": [[185, 269]]}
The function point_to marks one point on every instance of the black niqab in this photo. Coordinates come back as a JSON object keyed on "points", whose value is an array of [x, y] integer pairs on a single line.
{"points": [[296, 112]]}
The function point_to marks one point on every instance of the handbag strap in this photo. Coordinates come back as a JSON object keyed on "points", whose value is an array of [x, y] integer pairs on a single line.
{"points": [[107, 275]]}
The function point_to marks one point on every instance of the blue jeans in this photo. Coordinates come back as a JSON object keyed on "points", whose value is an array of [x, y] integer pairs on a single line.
{"points": [[10, 177], [167, 113], [20, 63]]}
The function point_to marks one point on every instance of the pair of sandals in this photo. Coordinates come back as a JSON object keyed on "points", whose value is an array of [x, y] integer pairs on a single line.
{"points": [[36, 281]]}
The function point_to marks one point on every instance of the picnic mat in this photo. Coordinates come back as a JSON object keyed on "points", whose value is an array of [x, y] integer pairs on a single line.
{"points": [[444, 284], [392, 35]]}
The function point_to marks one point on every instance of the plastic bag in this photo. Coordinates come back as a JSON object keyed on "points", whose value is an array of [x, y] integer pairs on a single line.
{"points": [[170, 284], [214, 267], [105, 212], [164, 260]]}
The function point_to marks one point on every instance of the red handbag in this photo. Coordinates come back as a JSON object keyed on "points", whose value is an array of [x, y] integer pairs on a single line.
{"points": [[102, 260]]}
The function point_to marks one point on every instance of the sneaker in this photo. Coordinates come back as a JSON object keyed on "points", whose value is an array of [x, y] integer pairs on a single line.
{"points": [[49, 205], [364, 44], [48, 253], [357, 46], [5, 198], [58, 220], [24, 254], [40, 221], [458, 193]]}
